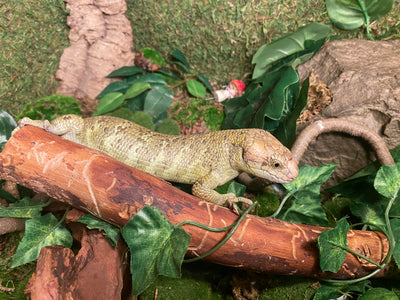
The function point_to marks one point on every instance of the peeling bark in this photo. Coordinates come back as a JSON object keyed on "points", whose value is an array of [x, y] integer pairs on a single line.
{"points": [[94, 273], [101, 42], [94, 182]]}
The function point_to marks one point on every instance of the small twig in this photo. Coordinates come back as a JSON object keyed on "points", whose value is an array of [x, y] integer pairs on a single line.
{"points": [[340, 125]]}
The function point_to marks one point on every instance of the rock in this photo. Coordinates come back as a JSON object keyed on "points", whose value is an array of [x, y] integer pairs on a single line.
{"points": [[101, 42], [364, 79]]}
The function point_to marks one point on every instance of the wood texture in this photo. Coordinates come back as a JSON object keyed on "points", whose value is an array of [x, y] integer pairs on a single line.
{"points": [[113, 191]]}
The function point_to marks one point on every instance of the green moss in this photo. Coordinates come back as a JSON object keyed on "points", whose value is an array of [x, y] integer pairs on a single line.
{"points": [[13, 277], [33, 35], [169, 126], [48, 108], [143, 119]]}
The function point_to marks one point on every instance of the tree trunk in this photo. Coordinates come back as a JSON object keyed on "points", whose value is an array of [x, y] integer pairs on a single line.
{"points": [[92, 181]]}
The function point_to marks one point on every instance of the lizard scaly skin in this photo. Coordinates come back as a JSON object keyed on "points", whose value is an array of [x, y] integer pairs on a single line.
{"points": [[204, 160]]}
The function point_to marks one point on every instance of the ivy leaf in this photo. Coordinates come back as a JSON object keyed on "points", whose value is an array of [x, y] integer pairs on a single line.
{"points": [[24, 208], [7, 125], [306, 205], [331, 243], [158, 100], [378, 294], [387, 180], [111, 232], [114, 87], [157, 247], [395, 224], [195, 88], [40, 232], [136, 89], [125, 72], [310, 179], [236, 188], [108, 103], [288, 45], [351, 14]]}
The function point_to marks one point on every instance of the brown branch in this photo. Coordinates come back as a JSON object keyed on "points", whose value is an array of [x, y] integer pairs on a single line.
{"points": [[341, 125], [97, 183]]}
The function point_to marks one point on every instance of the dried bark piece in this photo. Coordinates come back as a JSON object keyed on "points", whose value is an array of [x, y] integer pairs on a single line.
{"points": [[95, 272], [101, 42]]}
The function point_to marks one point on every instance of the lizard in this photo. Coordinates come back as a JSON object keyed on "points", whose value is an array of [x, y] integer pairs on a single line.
{"points": [[205, 161]]}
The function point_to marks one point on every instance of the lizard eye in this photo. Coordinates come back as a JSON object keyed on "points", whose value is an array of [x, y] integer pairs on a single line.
{"points": [[276, 164]]}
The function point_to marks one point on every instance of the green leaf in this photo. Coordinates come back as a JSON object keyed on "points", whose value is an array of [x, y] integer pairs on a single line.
{"points": [[108, 103], [195, 88], [125, 72], [111, 232], [310, 179], [177, 54], [387, 180], [288, 45], [236, 188], [158, 100], [280, 98], [40, 232], [136, 89], [349, 14], [379, 294], [286, 131], [395, 224], [114, 87], [137, 104], [157, 247], [24, 208], [331, 243], [154, 55], [206, 83], [306, 205], [50, 107], [153, 79], [7, 125]]}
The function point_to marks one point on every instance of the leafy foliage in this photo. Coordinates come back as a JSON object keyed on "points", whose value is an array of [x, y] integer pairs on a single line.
{"points": [[24, 208], [157, 247], [7, 125], [351, 14], [290, 50], [150, 91], [39, 232], [273, 100], [111, 232], [332, 244], [305, 189]]}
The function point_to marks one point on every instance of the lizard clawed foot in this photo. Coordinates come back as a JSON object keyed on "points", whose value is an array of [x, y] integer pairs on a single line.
{"points": [[231, 201]]}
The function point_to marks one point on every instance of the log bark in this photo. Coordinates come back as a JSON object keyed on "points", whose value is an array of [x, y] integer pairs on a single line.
{"points": [[94, 182]]}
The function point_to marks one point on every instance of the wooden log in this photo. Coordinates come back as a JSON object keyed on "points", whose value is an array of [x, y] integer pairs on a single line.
{"points": [[92, 181]]}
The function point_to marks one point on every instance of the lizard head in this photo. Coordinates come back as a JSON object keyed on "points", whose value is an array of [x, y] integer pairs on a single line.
{"points": [[265, 157]]}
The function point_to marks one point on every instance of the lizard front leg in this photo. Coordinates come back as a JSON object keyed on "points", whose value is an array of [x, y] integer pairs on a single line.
{"points": [[204, 189], [66, 126]]}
